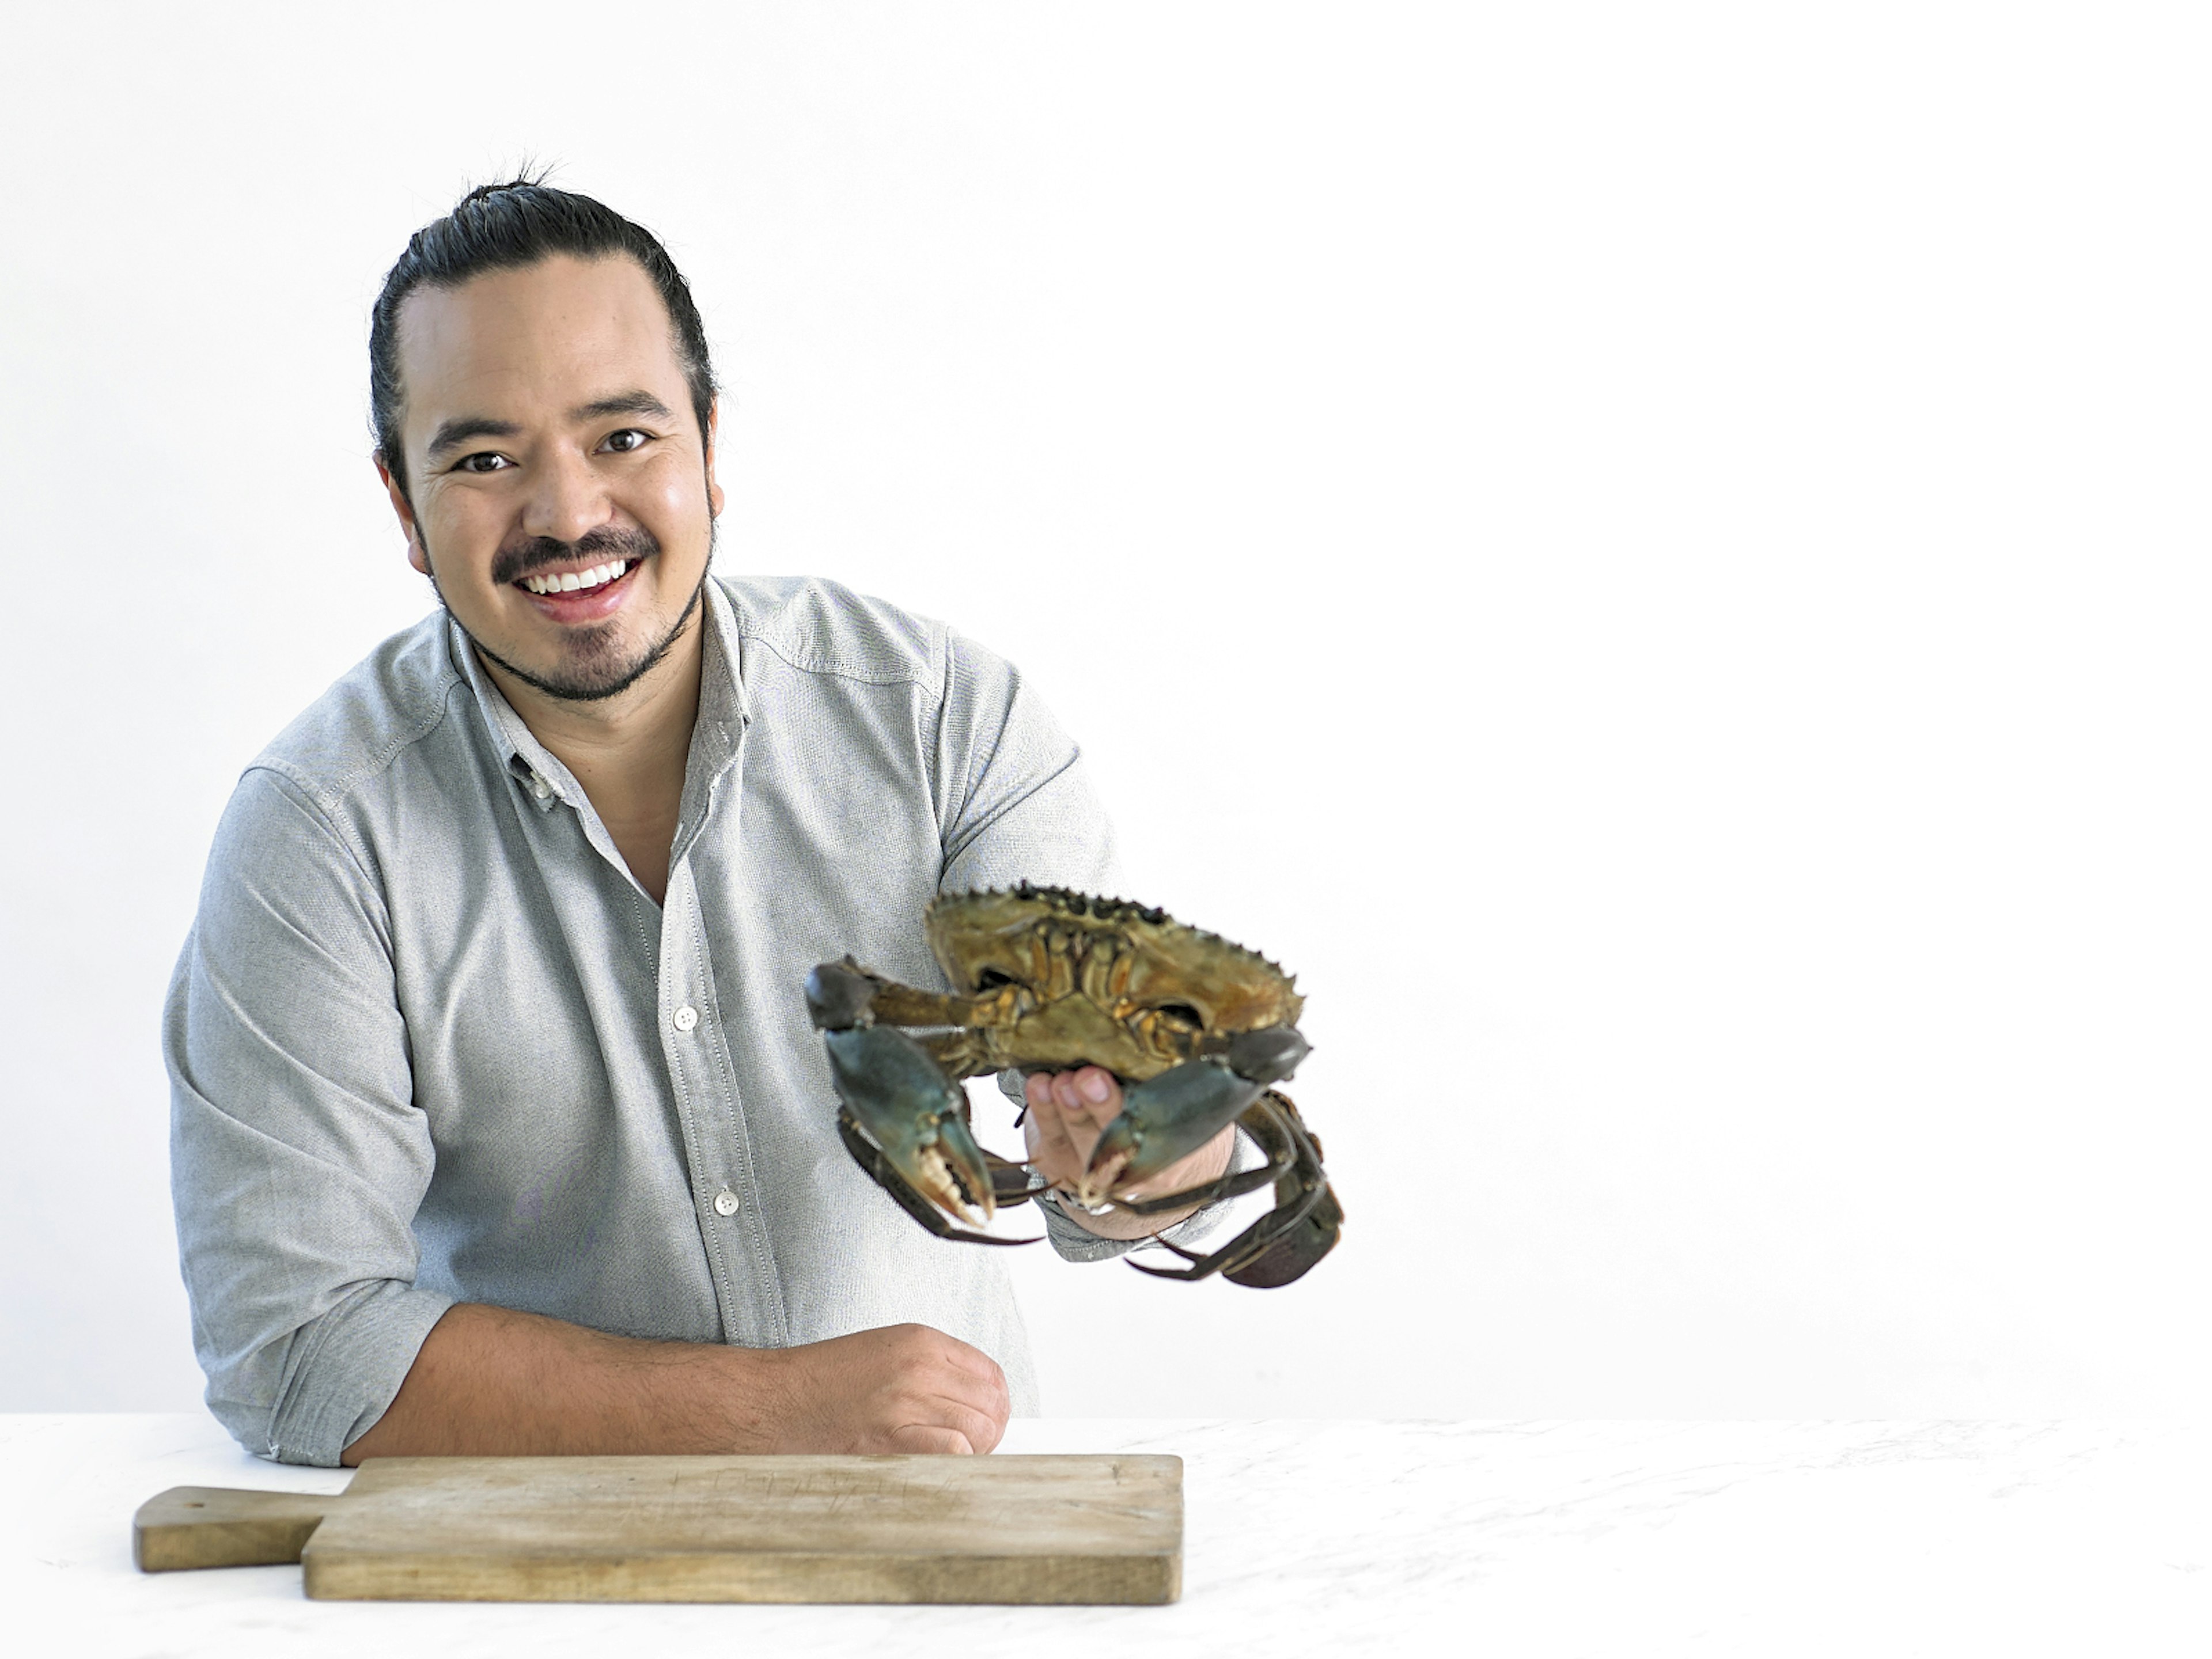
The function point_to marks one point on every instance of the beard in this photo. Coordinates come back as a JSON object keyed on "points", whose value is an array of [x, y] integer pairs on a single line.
{"points": [[598, 662]]}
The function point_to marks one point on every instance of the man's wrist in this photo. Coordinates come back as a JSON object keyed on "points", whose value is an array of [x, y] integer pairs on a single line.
{"points": [[1122, 1224], [752, 1399]]}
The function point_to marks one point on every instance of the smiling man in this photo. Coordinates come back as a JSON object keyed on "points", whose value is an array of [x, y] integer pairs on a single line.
{"points": [[498, 1125]]}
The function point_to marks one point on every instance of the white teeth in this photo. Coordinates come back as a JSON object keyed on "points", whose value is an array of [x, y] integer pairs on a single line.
{"points": [[572, 582]]}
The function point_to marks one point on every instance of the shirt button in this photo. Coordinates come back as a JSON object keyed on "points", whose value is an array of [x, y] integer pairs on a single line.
{"points": [[725, 1202], [686, 1017], [540, 789]]}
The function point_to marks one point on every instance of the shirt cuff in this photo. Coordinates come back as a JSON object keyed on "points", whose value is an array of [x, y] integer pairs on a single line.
{"points": [[1075, 1242], [347, 1366]]}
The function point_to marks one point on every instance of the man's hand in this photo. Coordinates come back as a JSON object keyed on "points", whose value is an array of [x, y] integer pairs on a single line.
{"points": [[1067, 1113], [490, 1382], [903, 1389]]}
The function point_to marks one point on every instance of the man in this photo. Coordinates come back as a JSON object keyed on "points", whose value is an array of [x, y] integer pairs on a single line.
{"points": [[499, 1126]]}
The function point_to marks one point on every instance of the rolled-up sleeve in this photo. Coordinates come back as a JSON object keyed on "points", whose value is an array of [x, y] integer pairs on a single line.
{"points": [[297, 1159]]}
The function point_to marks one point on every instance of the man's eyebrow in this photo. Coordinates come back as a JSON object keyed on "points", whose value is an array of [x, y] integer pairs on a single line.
{"points": [[623, 403], [464, 429]]}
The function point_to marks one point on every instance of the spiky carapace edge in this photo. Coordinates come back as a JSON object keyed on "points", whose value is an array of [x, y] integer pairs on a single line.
{"points": [[1103, 909]]}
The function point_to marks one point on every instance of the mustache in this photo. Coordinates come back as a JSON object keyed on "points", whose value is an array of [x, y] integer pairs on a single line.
{"points": [[526, 558]]}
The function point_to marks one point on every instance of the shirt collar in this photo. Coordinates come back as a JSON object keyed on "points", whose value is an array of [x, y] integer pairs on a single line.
{"points": [[723, 713]]}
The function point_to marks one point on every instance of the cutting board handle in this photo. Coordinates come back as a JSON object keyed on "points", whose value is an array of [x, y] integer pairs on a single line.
{"points": [[220, 1527]]}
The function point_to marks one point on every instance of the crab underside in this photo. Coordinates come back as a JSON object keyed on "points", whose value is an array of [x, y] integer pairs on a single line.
{"points": [[1196, 1028]]}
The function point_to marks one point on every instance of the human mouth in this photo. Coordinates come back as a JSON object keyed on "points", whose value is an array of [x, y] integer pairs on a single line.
{"points": [[590, 595], [579, 581]]}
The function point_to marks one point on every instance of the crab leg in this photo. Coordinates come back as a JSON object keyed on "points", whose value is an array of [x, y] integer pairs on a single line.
{"points": [[843, 993], [1304, 1226], [1210, 1192]]}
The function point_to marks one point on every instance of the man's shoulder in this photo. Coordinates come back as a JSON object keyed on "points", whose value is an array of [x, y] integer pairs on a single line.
{"points": [[392, 699], [821, 627]]}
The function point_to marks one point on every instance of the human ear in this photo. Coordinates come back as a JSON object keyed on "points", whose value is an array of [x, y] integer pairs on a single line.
{"points": [[417, 555], [714, 490]]}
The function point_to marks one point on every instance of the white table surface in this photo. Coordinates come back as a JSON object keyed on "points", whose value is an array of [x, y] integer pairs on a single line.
{"points": [[1782, 1539]]}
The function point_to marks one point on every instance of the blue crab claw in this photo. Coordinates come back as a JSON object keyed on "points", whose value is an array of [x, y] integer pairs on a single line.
{"points": [[1162, 1119], [916, 1116], [1173, 1115]]}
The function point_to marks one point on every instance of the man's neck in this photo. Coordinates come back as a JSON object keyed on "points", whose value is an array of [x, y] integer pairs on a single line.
{"points": [[628, 750]]}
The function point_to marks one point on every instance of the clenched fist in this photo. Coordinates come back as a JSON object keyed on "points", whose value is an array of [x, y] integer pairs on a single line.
{"points": [[901, 1388]]}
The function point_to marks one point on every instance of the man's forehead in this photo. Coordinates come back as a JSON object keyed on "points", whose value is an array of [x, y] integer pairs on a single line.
{"points": [[560, 332]]}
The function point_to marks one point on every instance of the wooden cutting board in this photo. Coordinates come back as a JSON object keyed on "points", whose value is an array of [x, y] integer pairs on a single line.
{"points": [[1091, 1530]]}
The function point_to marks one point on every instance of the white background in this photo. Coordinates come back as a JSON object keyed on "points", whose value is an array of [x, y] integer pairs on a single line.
{"points": [[1654, 555]]}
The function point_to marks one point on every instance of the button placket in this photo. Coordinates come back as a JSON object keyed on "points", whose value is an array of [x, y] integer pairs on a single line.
{"points": [[716, 1144]]}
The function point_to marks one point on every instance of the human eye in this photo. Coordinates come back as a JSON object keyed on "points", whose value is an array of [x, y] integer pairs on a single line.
{"points": [[484, 460], [625, 441]]}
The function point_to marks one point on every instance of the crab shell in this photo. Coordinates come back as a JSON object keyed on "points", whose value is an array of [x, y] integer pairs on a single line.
{"points": [[1097, 981]]}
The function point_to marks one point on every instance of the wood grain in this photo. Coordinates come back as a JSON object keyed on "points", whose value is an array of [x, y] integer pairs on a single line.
{"points": [[1065, 1529]]}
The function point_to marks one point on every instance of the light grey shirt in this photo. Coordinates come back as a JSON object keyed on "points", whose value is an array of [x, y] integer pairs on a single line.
{"points": [[429, 1042]]}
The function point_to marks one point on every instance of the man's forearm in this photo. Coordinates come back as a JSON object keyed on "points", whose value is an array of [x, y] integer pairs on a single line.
{"points": [[490, 1382]]}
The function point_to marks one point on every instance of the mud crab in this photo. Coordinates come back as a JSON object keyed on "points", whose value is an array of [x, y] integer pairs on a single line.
{"points": [[1196, 1028]]}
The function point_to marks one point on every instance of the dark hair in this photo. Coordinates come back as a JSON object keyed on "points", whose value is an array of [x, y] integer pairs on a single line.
{"points": [[504, 227]]}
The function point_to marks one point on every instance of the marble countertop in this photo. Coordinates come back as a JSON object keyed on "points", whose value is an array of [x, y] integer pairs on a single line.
{"points": [[1493, 1538]]}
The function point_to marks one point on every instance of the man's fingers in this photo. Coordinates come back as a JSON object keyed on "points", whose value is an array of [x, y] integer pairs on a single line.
{"points": [[1066, 1134], [978, 1429], [1068, 1111], [1090, 1096], [1048, 1096], [897, 1388], [960, 1376], [1045, 1128], [972, 1371], [1101, 1094]]}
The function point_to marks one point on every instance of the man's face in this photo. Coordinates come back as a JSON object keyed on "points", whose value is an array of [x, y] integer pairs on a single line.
{"points": [[563, 494]]}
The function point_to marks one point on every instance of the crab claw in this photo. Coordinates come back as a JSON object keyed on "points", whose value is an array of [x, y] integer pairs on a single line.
{"points": [[1162, 1119], [1268, 1055], [916, 1116], [1173, 1115], [839, 996]]}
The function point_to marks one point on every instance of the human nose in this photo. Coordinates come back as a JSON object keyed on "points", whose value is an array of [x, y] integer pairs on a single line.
{"points": [[565, 500]]}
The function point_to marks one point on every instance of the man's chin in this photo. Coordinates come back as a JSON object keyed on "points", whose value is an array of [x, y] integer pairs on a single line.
{"points": [[592, 669], [595, 662]]}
